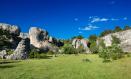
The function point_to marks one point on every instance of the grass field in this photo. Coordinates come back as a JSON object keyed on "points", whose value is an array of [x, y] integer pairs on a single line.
{"points": [[66, 67]]}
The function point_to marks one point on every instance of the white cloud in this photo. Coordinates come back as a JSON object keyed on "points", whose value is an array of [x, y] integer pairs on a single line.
{"points": [[113, 19], [125, 18], [76, 19], [89, 27], [94, 19], [97, 19], [80, 32]]}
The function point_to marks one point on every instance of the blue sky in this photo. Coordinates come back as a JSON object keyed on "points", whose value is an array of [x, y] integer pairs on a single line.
{"points": [[66, 18]]}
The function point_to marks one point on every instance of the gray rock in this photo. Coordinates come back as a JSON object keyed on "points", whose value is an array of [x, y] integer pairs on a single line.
{"points": [[125, 38], [39, 38], [13, 29], [14, 32], [3, 54], [21, 51], [76, 43], [24, 35]]}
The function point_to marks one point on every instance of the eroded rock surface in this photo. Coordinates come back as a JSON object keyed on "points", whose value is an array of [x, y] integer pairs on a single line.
{"points": [[22, 50], [125, 38], [76, 43]]}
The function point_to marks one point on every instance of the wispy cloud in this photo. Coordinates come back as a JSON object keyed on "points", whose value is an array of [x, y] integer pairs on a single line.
{"points": [[80, 32], [89, 27], [125, 18], [94, 19], [97, 19]]}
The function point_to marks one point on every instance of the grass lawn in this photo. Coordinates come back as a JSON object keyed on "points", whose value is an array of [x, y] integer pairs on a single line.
{"points": [[66, 67]]}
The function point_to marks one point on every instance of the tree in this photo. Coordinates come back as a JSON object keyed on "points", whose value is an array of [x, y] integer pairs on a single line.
{"points": [[93, 46], [78, 37], [117, 29], [92, 38], [105, 32], [127, 27]]}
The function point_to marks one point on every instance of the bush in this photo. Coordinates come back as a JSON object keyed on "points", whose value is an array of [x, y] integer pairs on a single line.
{"points": [[94, 47], [68, 49], [113, 52], [9, 52], [34, 53]]}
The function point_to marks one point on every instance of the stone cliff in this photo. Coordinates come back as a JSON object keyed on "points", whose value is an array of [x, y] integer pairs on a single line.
{"points": [[125, 38]]}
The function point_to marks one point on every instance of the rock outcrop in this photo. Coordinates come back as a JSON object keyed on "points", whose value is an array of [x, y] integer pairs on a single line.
{"points": [[22, 50], [11, 34], [12, 29], [125, 38], [24, 35], [76, 43], [40, 39]]}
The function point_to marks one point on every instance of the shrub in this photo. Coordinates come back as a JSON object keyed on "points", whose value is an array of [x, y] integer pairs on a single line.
{"points": [[113, 52], [94, 47], [68, 49], [127, 27], [117, 29], [115, 40], [9, 52], [105, 32]]}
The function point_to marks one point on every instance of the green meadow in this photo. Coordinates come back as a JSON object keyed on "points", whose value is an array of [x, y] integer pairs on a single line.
{"points": [[66, 67]]}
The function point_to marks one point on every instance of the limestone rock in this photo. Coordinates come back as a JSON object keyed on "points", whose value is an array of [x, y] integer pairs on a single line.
{"points": [[24, 35], [3, 54], [13, 29], [125, 38], [21, 51], [76, 43], [39, 38]]}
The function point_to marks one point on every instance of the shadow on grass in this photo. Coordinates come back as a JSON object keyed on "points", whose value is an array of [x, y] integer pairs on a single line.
{"points": [[42, 57], [86, 60], [8, 61], [6, 66], [106, 61]]}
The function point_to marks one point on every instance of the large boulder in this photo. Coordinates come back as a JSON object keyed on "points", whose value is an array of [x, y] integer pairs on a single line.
{"points": [[39, 38], [76, 43], [125, 38], [21, 51]]}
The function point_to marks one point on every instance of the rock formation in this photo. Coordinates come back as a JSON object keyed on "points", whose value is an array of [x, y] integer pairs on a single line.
{"points": [[11, 35], [3, 54], [12, 29], [40, 39], [24, 35], [125, 38], [76, 43], [22, 50]]}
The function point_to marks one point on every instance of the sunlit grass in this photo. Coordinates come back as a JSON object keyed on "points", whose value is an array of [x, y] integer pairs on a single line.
{"points": [[66, 67]]}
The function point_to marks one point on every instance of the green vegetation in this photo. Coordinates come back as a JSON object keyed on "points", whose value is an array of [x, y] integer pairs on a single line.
{"points": [[113, 52], [4, 39], [78, 37], [93, 45], [117, 29], [66, 67], [105, 32], [127, 27], [68, 49]]}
